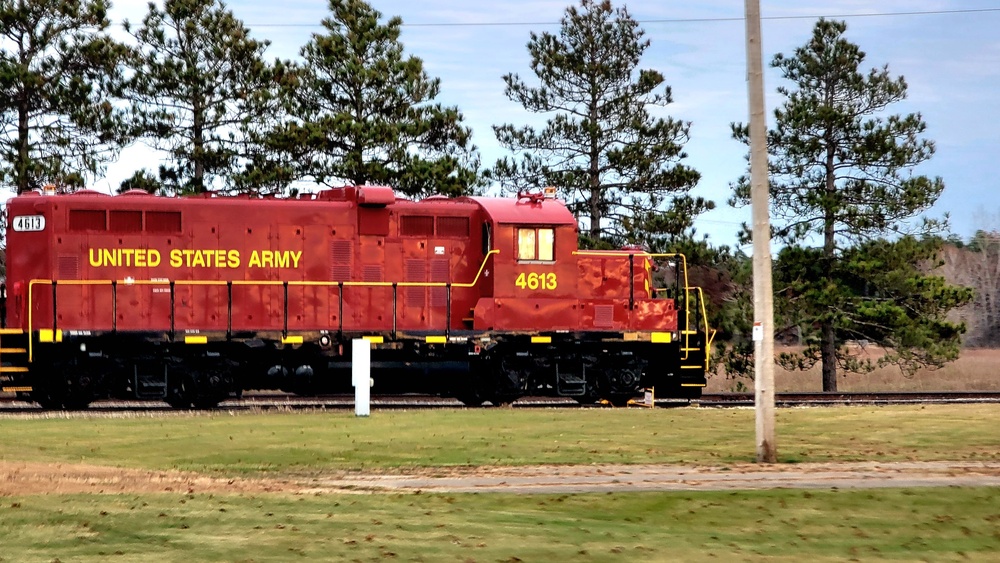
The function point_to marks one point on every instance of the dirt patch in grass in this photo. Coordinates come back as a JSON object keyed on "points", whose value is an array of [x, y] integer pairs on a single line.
{"points": [[29, 478], [21, 478]]}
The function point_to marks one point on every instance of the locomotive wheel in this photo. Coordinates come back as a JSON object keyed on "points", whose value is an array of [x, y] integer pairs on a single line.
{"points": [[62, 392], [186, 395], [508, 381], [471, 399], [50, 402]]}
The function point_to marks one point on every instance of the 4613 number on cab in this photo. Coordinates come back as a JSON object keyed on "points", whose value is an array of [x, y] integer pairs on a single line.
{"points": [[533, 281]]}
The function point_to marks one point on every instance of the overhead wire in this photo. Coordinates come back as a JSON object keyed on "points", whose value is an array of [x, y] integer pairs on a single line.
{"points": [[677, 20]]}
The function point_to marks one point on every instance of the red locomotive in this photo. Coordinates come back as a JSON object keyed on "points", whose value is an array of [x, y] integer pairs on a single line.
{"points": [[191, 300]]}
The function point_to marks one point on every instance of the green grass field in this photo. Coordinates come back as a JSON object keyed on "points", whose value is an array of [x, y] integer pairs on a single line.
{"points": [[280, 443], [779, 525], [935, 524]]}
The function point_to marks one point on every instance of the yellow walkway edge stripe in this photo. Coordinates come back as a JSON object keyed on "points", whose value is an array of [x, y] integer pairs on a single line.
{"points": [[195, 339], [436, 340]]}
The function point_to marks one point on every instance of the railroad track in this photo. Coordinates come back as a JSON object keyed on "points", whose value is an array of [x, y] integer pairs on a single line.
{"points": [[876, 398], [276, 402]]}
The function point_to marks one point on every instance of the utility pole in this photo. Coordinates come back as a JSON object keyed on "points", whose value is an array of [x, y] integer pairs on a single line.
{"points": [[763, 294]]}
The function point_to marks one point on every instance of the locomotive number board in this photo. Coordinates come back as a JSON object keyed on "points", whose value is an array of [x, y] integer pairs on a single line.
{"points": [[27, 223]]}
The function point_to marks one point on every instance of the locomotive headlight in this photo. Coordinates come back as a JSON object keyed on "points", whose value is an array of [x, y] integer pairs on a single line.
{"points": [[324, 340], [83, 347]]}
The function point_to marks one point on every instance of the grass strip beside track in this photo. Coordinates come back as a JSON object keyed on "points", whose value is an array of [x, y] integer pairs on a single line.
{"points": [[301, 443], [777, 525]]}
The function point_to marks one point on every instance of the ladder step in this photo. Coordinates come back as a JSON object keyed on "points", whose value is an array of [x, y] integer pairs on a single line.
{"points": [[13, 369], [13, 350]]}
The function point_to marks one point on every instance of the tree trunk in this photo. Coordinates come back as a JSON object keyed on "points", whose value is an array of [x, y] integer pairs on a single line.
{"points": [[595, 171], [23, 110], [828, 343], [21, 166], [828, 354], [198, 140]]}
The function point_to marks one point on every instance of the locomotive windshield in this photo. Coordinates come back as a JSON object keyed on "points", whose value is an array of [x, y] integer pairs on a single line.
{"points": [[536, 243]]}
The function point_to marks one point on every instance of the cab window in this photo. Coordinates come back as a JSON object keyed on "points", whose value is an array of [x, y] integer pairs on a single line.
{"points": [[535, 243]]}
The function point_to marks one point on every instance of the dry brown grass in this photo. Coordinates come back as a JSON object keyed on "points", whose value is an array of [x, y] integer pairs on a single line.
{"points": [[977, 369]]}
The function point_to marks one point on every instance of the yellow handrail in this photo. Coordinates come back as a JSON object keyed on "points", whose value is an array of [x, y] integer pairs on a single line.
{"points": [[302, 283]]}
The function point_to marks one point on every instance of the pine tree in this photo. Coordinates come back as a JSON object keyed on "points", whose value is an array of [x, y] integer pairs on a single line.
{"points": [[841, 174], [365, 112], [58, 73], [201, 87], [609, 157]]}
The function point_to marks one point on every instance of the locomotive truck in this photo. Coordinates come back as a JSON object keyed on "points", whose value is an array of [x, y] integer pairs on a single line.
{"points": [[191, 300]]}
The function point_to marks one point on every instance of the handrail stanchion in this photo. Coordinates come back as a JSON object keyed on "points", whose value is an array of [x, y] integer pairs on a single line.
{"points": [[340, 310], [173, 311], [114, 306], [55, 316], [284, 331], [447, 318], [229, 312], [394, 305]]}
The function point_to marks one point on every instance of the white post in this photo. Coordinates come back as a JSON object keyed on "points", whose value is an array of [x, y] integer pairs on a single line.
{"points": [[361, 375]]}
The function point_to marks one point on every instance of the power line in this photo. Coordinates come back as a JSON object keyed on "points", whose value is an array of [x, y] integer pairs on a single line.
{"points": [[671, 20]]}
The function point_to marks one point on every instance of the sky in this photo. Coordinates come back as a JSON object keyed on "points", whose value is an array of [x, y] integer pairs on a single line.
{"points": [[948, 51]]}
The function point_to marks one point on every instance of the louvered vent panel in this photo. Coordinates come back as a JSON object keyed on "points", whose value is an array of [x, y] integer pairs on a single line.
{"points": [[340, 251], [416, 226], [453, 227], [416, 271], [87, 220], [163, 221], [125, 221], [69, 267], [604, 315], [440, 272], [372, 273]]}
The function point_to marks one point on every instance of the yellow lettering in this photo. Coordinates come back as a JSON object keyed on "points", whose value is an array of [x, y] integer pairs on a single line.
{"points": [[254, 260], [95, 263], [110, 258], [282, 259], [234, 258], [199, 258], [266, 259], [140, 258], [295, 258], [125, 255], [153, 257], [175, 258]]}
